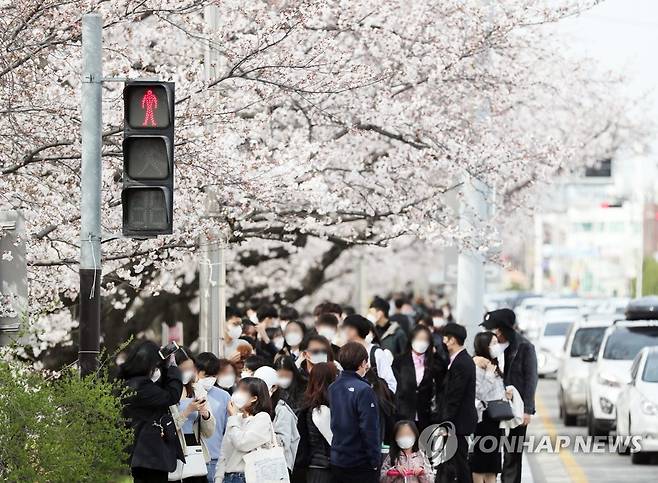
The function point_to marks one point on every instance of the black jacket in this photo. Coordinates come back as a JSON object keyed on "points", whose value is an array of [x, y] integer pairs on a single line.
{"points": [[413, 399], [156, 445], [459, 394], [521, 370], [392, 337]]}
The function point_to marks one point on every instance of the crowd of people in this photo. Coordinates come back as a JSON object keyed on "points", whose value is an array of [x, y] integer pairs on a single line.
{"points": [[342, 399]]}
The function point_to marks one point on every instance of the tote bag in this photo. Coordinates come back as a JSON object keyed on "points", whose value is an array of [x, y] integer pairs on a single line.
{"points": [[266, 465], [195, 465]]}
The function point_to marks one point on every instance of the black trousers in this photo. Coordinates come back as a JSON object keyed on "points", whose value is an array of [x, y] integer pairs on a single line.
{"points": [[456, 469], [512, 460], [354, 475], [147, 475]]}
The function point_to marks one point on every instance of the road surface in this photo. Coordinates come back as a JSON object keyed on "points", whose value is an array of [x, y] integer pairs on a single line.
{"points": [[572, 466]]}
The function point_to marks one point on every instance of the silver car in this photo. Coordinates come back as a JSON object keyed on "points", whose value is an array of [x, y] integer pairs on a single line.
{"points": [[583, 340]]}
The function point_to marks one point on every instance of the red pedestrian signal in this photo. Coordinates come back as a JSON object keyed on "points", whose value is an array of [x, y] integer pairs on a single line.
{"points": [[148, 159]]}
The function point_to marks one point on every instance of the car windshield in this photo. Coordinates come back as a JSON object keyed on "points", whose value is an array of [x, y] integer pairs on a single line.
{"points": [[586, 341], [651, 368], [551, 308], [556, 328], [625, 342]]}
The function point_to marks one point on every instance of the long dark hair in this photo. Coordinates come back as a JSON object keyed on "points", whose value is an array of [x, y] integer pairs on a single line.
{"points": [[257, 387], [298, 324], [141, 361], [292, 394], [321, 377], [481, 348], [394, 450]]}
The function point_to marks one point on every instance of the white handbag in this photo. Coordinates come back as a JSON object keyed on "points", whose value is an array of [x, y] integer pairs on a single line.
{"points": [[266, 465], [195, 465]]}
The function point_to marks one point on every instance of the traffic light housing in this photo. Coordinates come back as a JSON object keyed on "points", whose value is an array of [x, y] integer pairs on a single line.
{"points": [[148, 159]]}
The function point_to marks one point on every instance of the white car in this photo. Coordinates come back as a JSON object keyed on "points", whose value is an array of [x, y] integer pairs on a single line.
{"points": [[534, 312], [637, 406], [584, 339], [552, 340], [621, 343]]}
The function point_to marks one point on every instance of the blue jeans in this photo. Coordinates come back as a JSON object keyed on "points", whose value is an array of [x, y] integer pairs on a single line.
{"points": [[212, 468], [234, 478]]}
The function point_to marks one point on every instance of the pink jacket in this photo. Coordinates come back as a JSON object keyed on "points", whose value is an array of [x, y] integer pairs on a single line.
{"points": [[405, 467]]}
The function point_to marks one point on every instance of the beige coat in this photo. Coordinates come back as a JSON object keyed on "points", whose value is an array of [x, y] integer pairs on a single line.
{"points": [[203, 428]]}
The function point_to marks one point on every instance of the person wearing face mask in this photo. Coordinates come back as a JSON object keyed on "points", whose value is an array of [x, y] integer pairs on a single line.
{"points": [[153, 386], [519, 366], [232, 334], [316, 349], [293, 336], [248, 428], [458, 399], [405, 462], [195, 421], [326, 325], [356, 329], [489, 386], [356, 440], [391, 335], [287, 314], [208, 368], [291, 382], [285, 420], [227, 376], [420, 379]]}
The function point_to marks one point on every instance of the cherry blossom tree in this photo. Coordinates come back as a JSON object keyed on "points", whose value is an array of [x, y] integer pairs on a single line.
{"points": [[303, 129]]}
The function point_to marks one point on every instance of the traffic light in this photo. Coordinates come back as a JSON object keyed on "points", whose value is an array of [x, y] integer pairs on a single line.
{"points": [[148, 159]]}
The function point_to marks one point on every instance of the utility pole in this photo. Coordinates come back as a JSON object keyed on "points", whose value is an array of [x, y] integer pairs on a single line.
{"points": [[212, 264], [91, 183], [473, 211], [13, 276]]}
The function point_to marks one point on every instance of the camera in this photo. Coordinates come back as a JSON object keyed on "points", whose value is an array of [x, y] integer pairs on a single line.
{"points": [[168, 350]]}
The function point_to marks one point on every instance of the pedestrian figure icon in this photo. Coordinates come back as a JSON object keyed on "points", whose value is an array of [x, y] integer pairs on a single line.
{"points": [[149, 103]]}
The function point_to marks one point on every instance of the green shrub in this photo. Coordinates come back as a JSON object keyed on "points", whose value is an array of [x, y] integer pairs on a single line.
{"points": [[65, 429]]}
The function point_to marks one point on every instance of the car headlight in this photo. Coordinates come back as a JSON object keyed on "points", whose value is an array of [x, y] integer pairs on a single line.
{"points": [[607, 380], [649, 408]]}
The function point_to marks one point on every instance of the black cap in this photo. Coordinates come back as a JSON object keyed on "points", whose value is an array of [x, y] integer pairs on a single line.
{"points": [[504, 318], [454, 330], [360, 323]]}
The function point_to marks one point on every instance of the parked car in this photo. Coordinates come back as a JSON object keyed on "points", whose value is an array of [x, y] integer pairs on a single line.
{"points": [[533, 313], [637, 406], [621, 343], [583, 339], [552, 339]]}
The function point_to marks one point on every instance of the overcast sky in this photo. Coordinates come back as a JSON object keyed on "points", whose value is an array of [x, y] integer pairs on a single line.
{"points": [[622, 35]]}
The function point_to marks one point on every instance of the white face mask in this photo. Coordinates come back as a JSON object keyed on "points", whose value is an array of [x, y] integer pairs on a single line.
{"points": [[278, 342], [438, 322], [187, 376], [284, 324], [318, 358], [495, 350], [240, 399], [155, 377], [369, 338], [294, 338], [244, 374], [284, 382], [226, 381], [207, 382], [372, 318], [327, 332], [253, 318], [420, 346], [405, 442], [235, 331]]}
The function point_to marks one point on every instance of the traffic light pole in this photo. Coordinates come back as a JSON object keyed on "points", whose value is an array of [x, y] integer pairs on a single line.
{"points": [[90, 205]]}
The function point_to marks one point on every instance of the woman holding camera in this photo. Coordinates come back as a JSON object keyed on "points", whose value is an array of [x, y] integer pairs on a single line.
{"points": [[154, 383]]}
